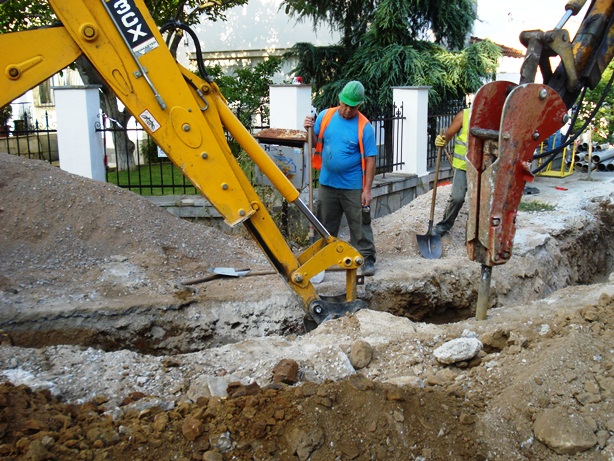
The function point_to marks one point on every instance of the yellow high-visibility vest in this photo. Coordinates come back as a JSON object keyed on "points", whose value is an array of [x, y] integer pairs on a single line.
{"points": [[460, 143]]}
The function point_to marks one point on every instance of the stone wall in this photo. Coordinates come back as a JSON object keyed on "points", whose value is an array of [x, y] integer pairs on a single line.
{"points": [[390, 192]]}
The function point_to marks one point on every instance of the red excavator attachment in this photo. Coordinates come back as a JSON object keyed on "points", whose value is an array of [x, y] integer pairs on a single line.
{"points": [[507, 123]]}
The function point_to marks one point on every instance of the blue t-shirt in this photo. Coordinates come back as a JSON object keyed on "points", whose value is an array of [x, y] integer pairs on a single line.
{"points": [[341, 164]]}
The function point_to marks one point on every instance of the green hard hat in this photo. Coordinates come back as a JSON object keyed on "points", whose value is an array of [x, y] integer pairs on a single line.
{"points": [[353, 93]]}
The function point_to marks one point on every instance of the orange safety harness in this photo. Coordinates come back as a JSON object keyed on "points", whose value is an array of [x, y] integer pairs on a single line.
{"points": [[316, 159]]}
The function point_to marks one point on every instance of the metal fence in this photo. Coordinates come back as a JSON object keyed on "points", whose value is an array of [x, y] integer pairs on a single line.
{"points": [[34, 140], [389, 140], [133, 161], [439, 118]]}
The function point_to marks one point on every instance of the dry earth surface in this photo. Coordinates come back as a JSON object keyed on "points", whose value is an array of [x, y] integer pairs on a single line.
{"points": [[107, 353]]}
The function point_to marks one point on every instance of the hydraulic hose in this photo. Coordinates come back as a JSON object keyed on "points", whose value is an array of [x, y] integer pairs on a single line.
{"points": [[551, 154], [199, 54]]}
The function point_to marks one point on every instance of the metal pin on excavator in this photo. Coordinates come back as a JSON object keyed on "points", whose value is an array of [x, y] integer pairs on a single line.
{"points": [[188, 117], [509, 121]]}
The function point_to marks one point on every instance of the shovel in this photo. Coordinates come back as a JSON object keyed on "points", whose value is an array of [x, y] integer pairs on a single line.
{"points": [[430, 245], [221, 272], [229, 271], [318, 277]]}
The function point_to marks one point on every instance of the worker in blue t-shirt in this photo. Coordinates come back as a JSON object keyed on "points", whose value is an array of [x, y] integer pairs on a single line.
{"points": [[346, 176]]}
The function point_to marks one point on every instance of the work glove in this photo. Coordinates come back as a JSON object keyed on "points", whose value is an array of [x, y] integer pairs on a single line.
{"points": [[440, 140]]}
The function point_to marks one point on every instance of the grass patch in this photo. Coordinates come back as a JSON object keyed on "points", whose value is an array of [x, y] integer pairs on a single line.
{"points": [[158, 178], [535, 205]]}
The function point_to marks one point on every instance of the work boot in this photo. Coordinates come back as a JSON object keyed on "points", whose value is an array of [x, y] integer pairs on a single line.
{"points": [[368, 268]]}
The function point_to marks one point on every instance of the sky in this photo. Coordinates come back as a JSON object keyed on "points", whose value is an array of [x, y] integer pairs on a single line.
{"points": [[502, 22]]}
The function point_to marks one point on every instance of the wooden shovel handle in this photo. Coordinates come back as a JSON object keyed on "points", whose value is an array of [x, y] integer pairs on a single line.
{"points": [[435, 180]]}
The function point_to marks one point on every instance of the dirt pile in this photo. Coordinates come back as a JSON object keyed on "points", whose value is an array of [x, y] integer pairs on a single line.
{"points": [[57, 225], [77, 252]]}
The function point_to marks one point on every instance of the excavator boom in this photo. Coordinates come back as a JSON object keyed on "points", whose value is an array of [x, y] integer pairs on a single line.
{"points": [[188, 117]]}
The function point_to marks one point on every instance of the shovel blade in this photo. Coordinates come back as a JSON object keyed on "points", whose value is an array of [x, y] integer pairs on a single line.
{"points": [[429, 246], [229, 271]]}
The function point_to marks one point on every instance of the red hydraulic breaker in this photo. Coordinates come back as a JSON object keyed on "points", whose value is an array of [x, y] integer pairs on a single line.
{"points": [[507, 123]]}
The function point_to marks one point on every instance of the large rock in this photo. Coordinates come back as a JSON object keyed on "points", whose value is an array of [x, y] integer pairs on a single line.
{"points": [[458, 350], [564, 433], [361, 354], [303, 442]]}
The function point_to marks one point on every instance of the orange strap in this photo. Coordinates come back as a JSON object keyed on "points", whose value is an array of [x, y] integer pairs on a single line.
{"points": [[316, 159]]}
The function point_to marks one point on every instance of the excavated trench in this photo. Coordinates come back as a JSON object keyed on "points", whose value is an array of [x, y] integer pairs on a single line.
{"points": [[448, 294], [65, 223], [451, 294]]}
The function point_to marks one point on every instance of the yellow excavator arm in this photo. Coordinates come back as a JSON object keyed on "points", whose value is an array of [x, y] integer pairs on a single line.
{"points": [[187, 117]]}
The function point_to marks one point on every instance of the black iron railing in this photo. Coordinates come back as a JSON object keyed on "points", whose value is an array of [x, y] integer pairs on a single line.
{"points": [[133, 161], [34, 140], [439, 118], [389, 140]]}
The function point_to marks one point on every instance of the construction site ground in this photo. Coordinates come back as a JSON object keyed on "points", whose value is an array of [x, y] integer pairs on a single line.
{"points": [[109, 352]]}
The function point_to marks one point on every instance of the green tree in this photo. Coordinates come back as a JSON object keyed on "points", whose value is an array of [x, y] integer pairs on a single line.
{"points": [[447, 20], [389, 43], [247, 88], [16, 15], [603, 123]]}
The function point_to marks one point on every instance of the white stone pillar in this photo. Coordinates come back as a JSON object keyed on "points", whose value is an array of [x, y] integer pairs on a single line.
{"points": [[415, 101], [80, 146], [289, 105]]}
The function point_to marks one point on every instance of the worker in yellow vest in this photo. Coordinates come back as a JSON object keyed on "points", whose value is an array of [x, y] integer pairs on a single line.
{"points": [[345, 155], [459, 128]]}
